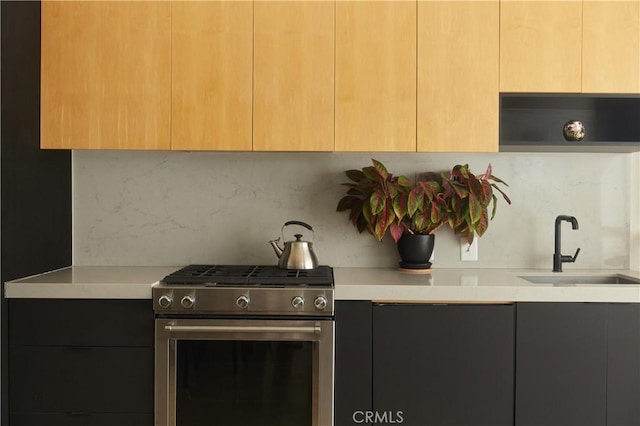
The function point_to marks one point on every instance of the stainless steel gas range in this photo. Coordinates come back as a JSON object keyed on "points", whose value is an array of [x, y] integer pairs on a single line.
{"points": [[244, 345]]}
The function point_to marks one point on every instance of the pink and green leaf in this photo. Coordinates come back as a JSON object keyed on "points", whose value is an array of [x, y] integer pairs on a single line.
{"points": [[396, 232], [460, 190], [506, 198], [366, 212], [487, 174], [420, 221], [404, 182], [355, 175], [476, 187], [483, 223], [435, 212], [415, 200], [495, 206], [377, 202], [487, 192], [347, 203], [382, 170], [475, 209], [400, 205], [372, 174]]}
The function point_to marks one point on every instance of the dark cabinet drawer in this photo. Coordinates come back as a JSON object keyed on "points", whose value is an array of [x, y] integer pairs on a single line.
{"points": [[81, 419], [62, 322], [81, 379]]}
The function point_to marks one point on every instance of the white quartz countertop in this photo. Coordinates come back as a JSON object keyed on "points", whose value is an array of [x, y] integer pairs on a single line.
{"points": [[90, 282], [461, 285]]}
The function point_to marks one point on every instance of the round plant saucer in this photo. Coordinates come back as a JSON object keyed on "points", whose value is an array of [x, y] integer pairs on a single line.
{"points": [[416, 271], [415, 268]]}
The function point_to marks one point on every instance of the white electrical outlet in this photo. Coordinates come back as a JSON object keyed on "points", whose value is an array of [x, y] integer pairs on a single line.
{"points": [[468, 253]]}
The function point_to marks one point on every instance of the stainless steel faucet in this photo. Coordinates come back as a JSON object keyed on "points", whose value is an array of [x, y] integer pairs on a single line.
{"points": [[558, 258]]}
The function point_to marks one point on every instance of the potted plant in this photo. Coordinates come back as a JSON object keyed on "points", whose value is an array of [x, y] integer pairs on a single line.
{"points": [[382, 203], [469, 198]]}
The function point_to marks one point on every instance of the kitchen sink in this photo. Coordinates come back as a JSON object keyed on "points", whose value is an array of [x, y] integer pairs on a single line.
{"points": [[584, 279]]}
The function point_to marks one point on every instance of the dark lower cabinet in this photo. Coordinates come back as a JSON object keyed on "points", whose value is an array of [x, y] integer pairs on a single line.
{"points": [[81, 379], [80, 419], [578, 364], [80, 362], [443, 364], [623, 365], [532, 364], [561, 364], [353, 361]]}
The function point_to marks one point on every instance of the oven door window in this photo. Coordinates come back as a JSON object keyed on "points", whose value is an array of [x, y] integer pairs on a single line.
{"points": [[244, 383]]}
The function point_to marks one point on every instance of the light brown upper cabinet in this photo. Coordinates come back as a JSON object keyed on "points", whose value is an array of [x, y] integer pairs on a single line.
{"points": [[106, 75], [540, 46], [611, 46], [458, 65], [212, 50], [293, 92], [375, 76]]}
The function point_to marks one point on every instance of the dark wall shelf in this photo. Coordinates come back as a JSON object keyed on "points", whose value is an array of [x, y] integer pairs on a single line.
{"points": [[534, 122]]}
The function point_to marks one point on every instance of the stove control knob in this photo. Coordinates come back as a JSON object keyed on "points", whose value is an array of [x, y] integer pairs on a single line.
{"points": [[242, 302], [297, 302], [187, 302], [165, 301], [320, 303]]}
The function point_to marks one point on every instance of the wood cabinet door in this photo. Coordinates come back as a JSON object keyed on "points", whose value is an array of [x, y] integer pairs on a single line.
{"points": [[444, 364], [375, 76], [212, 61], [105, 75], [458, 65], [611, 47], [561, 364], [293, 92], [540, 46]]}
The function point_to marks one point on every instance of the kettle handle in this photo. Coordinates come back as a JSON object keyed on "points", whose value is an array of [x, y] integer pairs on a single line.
{"points": [[296, 222]]}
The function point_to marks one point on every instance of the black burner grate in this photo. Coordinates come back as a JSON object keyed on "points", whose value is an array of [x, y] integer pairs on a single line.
{"points": [[250, 275]]}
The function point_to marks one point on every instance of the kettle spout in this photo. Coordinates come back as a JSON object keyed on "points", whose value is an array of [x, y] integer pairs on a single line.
{"points": [[276, 247]]}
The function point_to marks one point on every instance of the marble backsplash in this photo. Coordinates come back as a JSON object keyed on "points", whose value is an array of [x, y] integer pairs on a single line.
{"points": [[174, 208]]}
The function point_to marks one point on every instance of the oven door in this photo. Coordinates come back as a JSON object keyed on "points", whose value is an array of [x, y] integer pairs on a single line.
{"points": [[244, 372]]}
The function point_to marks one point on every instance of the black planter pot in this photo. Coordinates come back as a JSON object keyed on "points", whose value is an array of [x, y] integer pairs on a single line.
{"points": [[415, 250]]}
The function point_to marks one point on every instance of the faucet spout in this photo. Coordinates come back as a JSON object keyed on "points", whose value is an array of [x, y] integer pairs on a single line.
{"points": [[565, 218], [558, 257]]}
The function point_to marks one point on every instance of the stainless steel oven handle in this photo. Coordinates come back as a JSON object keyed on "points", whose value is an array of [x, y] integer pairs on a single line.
{"points": [[242, 329]]}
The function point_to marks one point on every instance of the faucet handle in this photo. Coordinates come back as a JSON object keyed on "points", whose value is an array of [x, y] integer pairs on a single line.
{"points": [[569, 259], [575, 256]]}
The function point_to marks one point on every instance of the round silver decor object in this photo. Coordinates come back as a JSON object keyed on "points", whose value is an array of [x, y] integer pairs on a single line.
{"points": [[573, 131]]}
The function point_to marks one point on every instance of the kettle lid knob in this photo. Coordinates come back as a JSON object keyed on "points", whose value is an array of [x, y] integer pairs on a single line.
{"points": [[298, 236]]}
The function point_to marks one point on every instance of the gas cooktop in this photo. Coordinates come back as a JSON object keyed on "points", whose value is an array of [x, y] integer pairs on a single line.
{"points": [[245, 290], [252, 275]]}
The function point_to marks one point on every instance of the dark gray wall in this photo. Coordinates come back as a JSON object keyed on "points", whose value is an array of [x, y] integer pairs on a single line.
{"points": [[35, 232]]}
